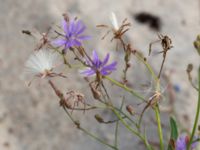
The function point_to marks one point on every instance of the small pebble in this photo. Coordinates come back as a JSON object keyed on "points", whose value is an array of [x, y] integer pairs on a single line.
{"points": [[177, 88]]}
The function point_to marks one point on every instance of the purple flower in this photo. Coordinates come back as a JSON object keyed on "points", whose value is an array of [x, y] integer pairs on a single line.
{"points": [[98, 66], [73, 34], [182, 142]]}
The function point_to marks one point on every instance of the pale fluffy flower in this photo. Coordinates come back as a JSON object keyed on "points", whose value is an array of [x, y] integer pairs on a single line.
{"points": [[41, 63], [113, 20]]}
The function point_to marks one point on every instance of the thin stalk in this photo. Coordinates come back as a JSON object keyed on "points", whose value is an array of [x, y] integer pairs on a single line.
{"points": [[98, 139], [125, 88], [117, 126], [63, 56], [120, 111], [163, 61], [148, 67], [156, 109], [116, 133], [196, 117]]}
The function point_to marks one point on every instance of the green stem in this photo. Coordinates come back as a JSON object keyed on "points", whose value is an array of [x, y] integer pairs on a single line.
{"points": [[87, 132], [132, 130], [156, 109], [132, 121], [148, 67], [116, 134], [98, 139], [117, 126], [125, 88], [196, 117]]}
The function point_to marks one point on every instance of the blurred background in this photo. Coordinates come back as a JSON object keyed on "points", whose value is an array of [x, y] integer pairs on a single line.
{"points": [[30, 117]]}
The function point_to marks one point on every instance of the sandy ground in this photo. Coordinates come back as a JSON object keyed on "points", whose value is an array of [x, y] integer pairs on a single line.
{"points": [[30, 118]]}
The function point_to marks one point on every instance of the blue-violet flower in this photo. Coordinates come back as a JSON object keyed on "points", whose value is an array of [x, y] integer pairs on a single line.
{"points": [[73, 34], [182, 142], [98, 66]]}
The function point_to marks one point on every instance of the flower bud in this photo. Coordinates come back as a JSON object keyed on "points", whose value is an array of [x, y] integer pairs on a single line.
{"points": [[130, 109], [99, 118]]}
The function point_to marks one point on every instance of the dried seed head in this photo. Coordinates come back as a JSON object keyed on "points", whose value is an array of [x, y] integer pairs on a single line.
{"points": [[41, 63]]}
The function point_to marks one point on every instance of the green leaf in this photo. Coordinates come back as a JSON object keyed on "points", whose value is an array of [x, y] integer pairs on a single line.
{"points": [[174, 129], [174, 134]]}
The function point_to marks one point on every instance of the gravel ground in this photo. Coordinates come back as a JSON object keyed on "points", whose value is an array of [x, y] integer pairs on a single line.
{"points": [[30, 118]]}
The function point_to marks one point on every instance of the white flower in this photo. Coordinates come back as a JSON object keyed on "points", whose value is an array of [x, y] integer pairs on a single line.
{"points": [[41, 63], [113, 20]]}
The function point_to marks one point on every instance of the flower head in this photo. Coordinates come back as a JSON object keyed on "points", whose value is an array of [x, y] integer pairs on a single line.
{"points": [[73, 34], [182, 142], [98, 66], [41, 63]]}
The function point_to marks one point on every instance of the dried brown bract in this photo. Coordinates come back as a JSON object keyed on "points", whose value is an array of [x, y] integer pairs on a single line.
{"points": [[95, 91]]}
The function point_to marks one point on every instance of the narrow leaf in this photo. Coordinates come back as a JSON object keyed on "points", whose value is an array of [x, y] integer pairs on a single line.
{"points": [[174, 134]]}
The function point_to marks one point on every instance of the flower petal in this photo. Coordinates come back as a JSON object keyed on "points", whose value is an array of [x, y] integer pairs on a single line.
{"points": [[72, 27], [105, 61], [79, 23], [59, 42], [95, 56], [77, 43], [64, 26], [84, 37], [88, 72], [109, 68], [81, 30], [96, 61]]}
